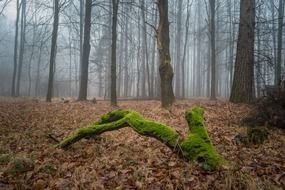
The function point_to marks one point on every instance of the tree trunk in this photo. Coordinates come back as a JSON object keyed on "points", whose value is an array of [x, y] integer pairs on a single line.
{"points": [[273, 33], [22, 47], [81, 25], [242, 90], [53, 52], [165, 68], [178, 50], [184, 50], [213, 48], [145, 66], [138, 59], [113, 56], [280, 42], [199, 63], [153, 42], [86, 51], [126, 59], [15, 50], [38, 69]]}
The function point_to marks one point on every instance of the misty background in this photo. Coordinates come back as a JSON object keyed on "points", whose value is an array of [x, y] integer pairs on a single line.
{"points": [[137, 55]]}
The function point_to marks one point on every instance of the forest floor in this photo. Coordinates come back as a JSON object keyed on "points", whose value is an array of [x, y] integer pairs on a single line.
{"points": [[123, 159]]}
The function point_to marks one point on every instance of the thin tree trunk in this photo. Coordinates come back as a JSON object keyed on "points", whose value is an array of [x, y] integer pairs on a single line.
{"points": [[70, 61], [178, 50], [280, 42], [113, 56], [22, 47], [126, 60], [53, 52], [145, 65], [213, 49], [38, 70], [272, 6], [120, 64], [138, 58], [184, 49], [15, 50], [81, 27], [152, 70], [199, 63]]}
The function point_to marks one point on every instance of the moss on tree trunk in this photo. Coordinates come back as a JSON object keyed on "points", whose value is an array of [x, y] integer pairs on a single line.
{"points": [[196, 146]]}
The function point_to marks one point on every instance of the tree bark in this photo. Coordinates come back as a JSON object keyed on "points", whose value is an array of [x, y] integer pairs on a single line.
{"points": [[22, 47], [213, 48], [53, 52], [145, 65], [178, 50], [280, 42], [242, 90], [86, 52], [113, 56], [184, 50], [165, 68], [126, 59], [38, 69], [15, 50]]}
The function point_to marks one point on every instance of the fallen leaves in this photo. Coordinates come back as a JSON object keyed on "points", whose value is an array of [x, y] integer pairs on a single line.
{"points": [[125, 160]]}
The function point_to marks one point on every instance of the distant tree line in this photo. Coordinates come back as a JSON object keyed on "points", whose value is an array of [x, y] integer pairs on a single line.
{"points": [[142, 49]]}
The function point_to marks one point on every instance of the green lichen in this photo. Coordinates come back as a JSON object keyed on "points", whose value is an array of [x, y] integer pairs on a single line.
{"points": [[196, 146]]}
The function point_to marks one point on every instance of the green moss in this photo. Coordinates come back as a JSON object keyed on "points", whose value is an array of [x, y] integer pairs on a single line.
{"points": [[157, 130], [48, 168], [197, 146], [19, 165], [5, 158], [257, 135]]}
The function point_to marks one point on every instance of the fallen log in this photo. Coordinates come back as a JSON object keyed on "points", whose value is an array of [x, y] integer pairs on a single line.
{"points": [[197, 146]]}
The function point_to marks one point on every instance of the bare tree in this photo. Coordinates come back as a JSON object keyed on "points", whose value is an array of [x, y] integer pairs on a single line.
{"points": [[22, 46], [53, 51], [4, 4], [15, 49], [213, 48], [184, 49], [280, 42], [86, 52], [115, 4], [165, 68], [178, 50]]}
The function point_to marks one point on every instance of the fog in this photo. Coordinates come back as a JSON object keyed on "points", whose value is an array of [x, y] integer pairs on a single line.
{"points": [[137, 55]]}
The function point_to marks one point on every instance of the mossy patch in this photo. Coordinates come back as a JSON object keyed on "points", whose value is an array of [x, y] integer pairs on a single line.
{"points": [[257, 135], [196, 146], [5, 158], [48, 168], [19, 165]]}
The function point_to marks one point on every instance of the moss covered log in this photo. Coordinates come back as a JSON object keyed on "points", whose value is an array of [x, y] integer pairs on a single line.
{"points": [[196, 146]]}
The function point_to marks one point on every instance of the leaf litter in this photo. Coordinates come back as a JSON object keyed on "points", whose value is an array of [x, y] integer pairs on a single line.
{"points": [[125, 160]]}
